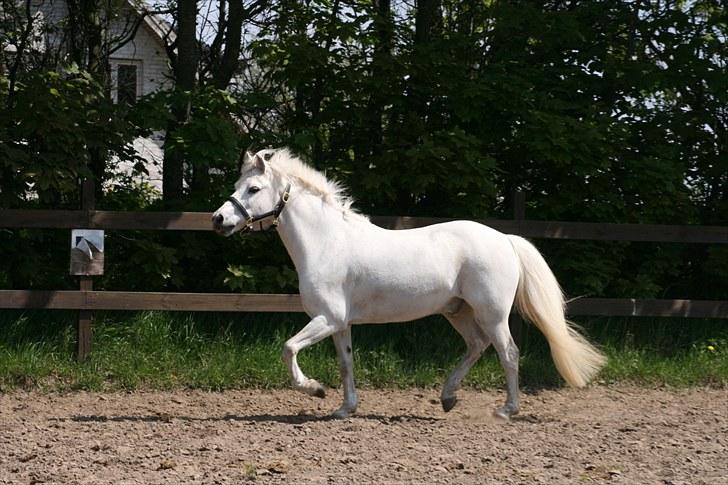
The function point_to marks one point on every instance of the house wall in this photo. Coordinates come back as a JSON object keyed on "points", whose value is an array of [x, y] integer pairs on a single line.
{"points": [[53, 14], [147, 53]]}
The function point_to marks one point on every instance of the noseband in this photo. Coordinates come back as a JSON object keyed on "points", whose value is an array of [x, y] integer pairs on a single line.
{"points": [[275, 213]]}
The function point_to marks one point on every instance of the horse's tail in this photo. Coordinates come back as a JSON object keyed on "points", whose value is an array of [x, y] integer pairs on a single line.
{"points": [[539, 298]]}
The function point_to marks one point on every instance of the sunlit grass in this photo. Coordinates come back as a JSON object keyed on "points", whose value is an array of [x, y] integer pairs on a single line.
{"points": [[155, 350]]}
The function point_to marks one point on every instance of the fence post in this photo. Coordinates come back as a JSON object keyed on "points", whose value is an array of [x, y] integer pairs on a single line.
{"points": [[85, 317], [515, 322]]}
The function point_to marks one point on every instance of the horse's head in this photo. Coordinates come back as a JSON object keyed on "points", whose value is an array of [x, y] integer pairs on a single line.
{"points": [[259, 197]]}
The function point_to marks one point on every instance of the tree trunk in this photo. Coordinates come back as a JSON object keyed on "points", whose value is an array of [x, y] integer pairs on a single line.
{"points": [[225, 70], [97, 66], [22, 45], [223, 66], [382, 59], [185, 69], [428, 21], [428, 25]]}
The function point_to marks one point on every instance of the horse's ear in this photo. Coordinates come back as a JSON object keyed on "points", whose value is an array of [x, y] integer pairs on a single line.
{"points": [[249, 159], [258, 163], [246, 158]]}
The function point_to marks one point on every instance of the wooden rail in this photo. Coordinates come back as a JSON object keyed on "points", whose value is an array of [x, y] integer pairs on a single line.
{"points": [[200, 221], [235, 302], [148, 300]]}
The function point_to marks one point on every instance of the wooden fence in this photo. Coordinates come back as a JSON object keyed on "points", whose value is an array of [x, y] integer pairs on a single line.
{"points": [[87, 300]]}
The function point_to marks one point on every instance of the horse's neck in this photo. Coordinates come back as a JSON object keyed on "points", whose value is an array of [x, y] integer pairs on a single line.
{"points": [[307, 226]]}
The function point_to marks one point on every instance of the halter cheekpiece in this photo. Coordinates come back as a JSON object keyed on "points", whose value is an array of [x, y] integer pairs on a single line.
{"points": [[275, 213]]}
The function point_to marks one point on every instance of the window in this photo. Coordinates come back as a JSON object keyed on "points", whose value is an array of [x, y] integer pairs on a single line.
{"points": [[126, 87]]}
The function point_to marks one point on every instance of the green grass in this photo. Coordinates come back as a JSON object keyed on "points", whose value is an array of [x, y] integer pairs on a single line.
{"points": [[156, 350]]}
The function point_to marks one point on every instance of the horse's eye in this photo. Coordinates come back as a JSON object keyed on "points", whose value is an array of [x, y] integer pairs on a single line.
{"points": [[253, 189]]}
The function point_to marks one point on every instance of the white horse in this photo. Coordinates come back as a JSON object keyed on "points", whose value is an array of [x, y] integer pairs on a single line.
{"points": [[351, 271]]}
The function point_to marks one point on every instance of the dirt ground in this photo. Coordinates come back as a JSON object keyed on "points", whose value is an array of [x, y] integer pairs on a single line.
{"points": [[603, 434]]}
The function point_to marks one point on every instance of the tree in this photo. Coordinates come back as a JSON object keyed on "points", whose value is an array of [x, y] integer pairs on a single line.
{"points": [[199, 67]]}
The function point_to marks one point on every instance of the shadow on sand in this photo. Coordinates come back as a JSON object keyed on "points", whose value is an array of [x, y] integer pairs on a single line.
{"points": [[293, 419]]}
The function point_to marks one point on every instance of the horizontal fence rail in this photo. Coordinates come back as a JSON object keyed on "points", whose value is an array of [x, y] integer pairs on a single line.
{"points": [[636, 307], [235, 302], [200, 221], [148, 300], [108, 220]]}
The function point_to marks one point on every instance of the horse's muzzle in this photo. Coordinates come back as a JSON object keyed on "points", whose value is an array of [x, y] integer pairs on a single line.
{"points": [[219, 226]]}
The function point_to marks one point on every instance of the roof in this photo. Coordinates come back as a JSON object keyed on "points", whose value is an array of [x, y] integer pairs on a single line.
{"points": [[159, 26]]}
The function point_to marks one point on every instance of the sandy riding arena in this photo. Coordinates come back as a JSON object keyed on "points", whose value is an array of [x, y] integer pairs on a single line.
{"points": [[616, 434]]}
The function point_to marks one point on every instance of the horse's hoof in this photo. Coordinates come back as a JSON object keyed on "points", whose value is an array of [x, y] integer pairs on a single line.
{"points": [[502, 415], [342, 413], [505, 413], [448, 403], [320, 392]]}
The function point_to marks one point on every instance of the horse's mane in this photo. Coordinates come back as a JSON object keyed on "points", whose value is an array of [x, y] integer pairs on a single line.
{"points": [[284, 162]]}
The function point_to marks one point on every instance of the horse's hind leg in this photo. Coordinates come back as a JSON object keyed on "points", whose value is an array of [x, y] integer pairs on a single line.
{"points": [[464, 322], [508, 354]]}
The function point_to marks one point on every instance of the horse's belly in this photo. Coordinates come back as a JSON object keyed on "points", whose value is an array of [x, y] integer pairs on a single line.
{"points": [[398, 305], [403, 283]]}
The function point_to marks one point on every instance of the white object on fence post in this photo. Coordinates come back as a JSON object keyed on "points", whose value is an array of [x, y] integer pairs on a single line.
{"points": [[87, 252]]}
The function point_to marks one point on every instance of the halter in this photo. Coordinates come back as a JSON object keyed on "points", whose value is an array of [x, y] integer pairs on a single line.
{"points": [[275, 213]]}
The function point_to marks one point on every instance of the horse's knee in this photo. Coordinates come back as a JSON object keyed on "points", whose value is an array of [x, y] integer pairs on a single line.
{"points": [[288, 352], [345, 371]]}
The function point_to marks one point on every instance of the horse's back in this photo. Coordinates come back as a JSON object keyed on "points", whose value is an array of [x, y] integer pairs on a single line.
{"points": [[443, 247]]}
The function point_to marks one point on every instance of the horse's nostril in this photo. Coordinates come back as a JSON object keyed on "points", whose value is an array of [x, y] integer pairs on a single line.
{"points": [[217, 219]]}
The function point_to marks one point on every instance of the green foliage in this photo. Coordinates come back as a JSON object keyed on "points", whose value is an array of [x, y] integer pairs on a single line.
{"points": [[261, 279], [49, 125], [208, 140], [35, 259]]}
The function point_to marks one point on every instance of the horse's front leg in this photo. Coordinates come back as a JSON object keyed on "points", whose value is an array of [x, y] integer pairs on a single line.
{"points": [[317, 329], [342, 341]]}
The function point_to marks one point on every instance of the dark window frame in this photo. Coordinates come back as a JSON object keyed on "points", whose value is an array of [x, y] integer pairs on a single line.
{"points": [[127, 83]]}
